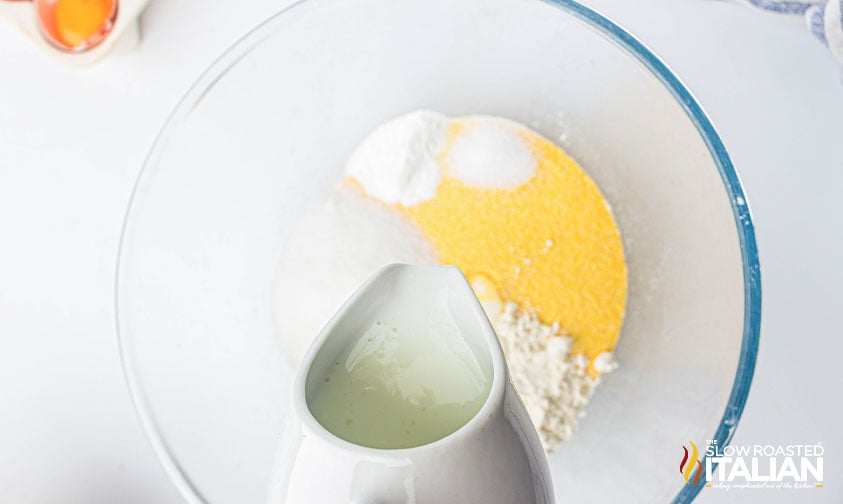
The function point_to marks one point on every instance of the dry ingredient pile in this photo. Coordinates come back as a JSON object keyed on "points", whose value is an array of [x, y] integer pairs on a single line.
{"points": [[519, 217]]}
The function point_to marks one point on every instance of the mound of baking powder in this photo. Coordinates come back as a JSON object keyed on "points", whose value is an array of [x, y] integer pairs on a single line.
{"points": [[396, 163]]}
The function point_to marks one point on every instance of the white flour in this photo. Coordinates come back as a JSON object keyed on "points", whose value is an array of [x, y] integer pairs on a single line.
{"points": [[397, 163], [551, 381]]}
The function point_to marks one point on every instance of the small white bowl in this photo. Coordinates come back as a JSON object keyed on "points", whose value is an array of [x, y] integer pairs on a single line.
{"points": [[125, 30]]}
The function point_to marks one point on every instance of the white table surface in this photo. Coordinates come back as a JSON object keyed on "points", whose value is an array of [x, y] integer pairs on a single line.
{"points": [[72, 141]]}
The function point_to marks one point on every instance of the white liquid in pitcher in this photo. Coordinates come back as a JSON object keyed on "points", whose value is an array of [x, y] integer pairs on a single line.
{"points": [[406, 381]]}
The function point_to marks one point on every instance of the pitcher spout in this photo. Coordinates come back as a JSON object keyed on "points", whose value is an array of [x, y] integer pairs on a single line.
{"points": [[404, 396]]}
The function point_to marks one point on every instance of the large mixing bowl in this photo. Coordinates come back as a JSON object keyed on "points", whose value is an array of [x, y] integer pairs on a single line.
{"points": [[264, 134]]}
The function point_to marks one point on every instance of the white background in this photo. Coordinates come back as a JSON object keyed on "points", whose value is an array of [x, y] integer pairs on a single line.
{"points": [[72, 141]]}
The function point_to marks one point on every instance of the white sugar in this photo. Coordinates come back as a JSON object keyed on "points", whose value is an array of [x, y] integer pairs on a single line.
{"points": [[332, 252], [490, 154]]}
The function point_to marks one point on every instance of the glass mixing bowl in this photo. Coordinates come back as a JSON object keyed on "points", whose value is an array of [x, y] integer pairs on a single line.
{"points": [[263, 135]]}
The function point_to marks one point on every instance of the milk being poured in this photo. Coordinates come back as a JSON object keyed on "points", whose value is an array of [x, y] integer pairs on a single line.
{"points": [[408, 379]]}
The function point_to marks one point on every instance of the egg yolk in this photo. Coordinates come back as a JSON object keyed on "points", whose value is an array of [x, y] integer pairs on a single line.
{"points": [[74, 23]]}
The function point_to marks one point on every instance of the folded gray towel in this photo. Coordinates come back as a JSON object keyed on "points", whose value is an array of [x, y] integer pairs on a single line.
{"points": [[824, 18]]}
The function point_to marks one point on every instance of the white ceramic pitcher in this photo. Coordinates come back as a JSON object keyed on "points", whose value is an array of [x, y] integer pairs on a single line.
{"points": [[494, 458]]}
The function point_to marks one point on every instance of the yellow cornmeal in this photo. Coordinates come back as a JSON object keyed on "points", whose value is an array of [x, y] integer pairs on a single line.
{"points": [[551, 245]]}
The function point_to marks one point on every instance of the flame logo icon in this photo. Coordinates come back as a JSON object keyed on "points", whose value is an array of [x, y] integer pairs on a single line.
{"points": [[687, 466]]}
